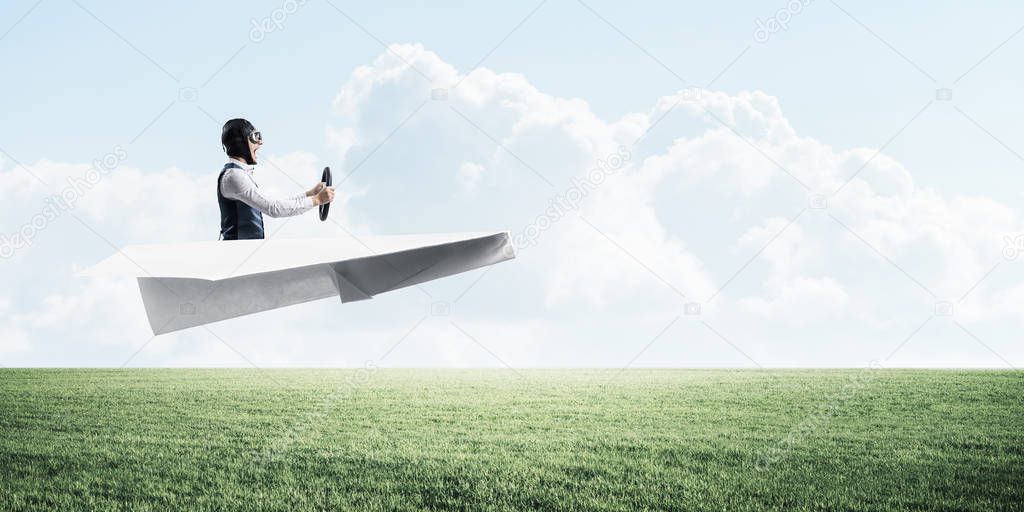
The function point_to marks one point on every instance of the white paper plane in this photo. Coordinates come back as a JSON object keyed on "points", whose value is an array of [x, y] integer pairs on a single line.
{"points": [[191, 284]]}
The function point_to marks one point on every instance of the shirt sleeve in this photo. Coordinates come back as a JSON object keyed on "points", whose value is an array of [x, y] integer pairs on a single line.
{"points": [[238, 186]]}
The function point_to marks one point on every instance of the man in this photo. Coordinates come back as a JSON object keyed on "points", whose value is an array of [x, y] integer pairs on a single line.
{"points": [[241, 204]]}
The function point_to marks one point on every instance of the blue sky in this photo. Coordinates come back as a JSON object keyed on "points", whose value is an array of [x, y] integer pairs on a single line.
{"points": [[826, 69], [84, 77]]}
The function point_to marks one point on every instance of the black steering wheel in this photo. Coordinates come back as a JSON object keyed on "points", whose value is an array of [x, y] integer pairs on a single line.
{"points": [[325, 208]]}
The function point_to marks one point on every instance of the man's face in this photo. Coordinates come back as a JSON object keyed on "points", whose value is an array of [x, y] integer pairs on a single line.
{"points": [[253, 147]]}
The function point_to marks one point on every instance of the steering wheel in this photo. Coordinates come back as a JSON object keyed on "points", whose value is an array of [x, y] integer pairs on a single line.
{"points": [[325, 208]]}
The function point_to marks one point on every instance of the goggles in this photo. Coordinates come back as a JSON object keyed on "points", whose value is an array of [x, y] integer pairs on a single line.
{"points": [[256, 137]]}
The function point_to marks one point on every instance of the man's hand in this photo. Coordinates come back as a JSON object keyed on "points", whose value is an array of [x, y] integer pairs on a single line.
{"points": [[316, 189], [323, 196]]}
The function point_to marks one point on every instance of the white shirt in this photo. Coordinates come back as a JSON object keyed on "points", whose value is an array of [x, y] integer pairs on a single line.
{"points": [[238, 184]]}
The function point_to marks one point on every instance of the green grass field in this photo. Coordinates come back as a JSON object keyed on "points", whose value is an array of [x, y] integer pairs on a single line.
{"points": [[504, 440]]}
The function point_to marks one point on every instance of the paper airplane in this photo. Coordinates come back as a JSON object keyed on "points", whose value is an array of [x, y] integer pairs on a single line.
{"points": [[191, 284]]}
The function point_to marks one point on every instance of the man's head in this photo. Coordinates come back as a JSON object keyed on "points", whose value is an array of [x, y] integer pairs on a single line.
{"points": [[240, 139]]}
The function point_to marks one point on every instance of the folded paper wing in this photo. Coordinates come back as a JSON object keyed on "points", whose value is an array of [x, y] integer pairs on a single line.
{"points": [[191, 284]]}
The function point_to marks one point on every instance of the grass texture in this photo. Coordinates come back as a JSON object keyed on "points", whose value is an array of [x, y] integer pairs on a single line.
{"points": [[374, 439]]}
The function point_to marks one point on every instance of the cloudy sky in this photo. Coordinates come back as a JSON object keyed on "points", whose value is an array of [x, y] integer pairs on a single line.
{"points": [[811, 183]]}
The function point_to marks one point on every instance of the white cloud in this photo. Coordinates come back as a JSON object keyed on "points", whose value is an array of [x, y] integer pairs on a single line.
{"points": [[697, 208], [13, 338], [799, 301], [469, 175]]}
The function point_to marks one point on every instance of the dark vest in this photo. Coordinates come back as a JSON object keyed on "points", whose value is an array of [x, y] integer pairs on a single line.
{"points": [[238, 221]]}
